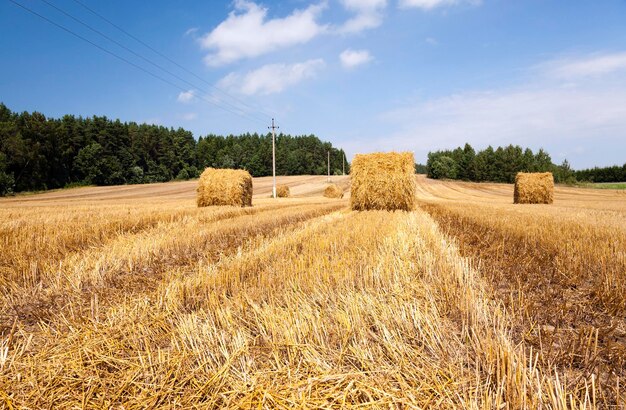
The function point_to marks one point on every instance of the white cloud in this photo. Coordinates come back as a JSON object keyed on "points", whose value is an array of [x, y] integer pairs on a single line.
{"points": [[368, 14], [361, 22], [545, 112], [364, 4], [431, 41], [515, 115], [248, 33], [271, 78], [432, 4], [186, 96], [589, 66], [353, 58]]}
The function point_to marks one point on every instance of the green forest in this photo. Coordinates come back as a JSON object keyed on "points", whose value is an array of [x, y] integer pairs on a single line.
{"points": [[604, 174], [39, 153], [503, 163]]}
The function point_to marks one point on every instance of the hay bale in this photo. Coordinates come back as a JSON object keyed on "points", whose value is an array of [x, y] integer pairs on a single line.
{"points": [[224, 187], [534, 188], [282, 191], [333, 191], [384, 181]]}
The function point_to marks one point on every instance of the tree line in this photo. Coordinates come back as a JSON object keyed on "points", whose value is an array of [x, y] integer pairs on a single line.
{"points": [[605, 174], [494, 165], [38, 153], [503, 163]]}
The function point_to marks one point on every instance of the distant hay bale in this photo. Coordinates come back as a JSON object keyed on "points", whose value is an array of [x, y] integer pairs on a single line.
{"points": [[282, 191], [333, 191], [534, 188], [225, 187], [384, 181]]}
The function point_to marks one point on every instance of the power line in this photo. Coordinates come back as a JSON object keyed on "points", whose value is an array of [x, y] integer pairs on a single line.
{"points": [[158, 77], [146, 59], [170, 60]]}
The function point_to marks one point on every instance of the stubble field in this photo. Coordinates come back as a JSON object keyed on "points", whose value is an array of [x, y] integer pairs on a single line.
{"points": [[131, 297]]}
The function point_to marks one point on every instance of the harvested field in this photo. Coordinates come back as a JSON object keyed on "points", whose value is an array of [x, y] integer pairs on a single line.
{"points": [[127, 297], [301, 186], [559, 270]]}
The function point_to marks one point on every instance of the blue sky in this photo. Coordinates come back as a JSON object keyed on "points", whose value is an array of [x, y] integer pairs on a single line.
{"points": [[368, 75]]}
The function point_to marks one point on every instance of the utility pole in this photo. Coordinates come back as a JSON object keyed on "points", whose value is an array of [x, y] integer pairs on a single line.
{"points": [[273, 128], [344, 165], [329, 166]]}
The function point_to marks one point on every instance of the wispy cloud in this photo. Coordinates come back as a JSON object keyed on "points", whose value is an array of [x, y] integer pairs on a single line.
{"points": [[353, 58], [368, 14], [271, 78], [433, 4], [594, 65], [543, 112], [192, 31], [186, 96], [514, 115], [248, 33]]}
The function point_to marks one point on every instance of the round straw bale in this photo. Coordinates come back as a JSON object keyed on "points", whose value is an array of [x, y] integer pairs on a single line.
{"points": [[225, 187], [333, 191], [282, 191], [534, 188], [384, 181]]}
